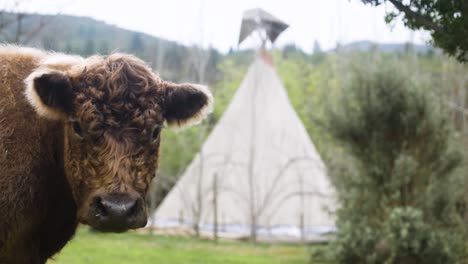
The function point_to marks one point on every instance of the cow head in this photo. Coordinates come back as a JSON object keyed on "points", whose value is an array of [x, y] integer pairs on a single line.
{"points": [[113, 109]]}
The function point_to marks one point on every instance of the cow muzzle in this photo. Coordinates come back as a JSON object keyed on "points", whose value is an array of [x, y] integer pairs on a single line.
{"points": [[116, 212]]}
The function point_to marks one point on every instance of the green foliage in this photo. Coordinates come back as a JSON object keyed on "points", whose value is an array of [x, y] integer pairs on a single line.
{"points": [[446, 20], [402, 155], [404, 238], [355, 244], [387, 122], [411, 239]]}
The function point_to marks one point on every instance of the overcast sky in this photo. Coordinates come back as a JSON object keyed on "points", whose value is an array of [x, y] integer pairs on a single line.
{"points": [[217, 22]]}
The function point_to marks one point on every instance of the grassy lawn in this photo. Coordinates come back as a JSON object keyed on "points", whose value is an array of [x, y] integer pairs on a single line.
{"points": [[88, 247]]}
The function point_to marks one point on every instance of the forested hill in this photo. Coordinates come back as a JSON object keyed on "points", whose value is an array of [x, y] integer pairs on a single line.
{"points": [[86, 36]]}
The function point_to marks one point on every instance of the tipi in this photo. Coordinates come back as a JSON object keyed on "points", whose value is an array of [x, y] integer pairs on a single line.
{"points": [[258, 174]]}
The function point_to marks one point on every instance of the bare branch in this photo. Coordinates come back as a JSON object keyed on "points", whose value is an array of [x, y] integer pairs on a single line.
{"points": [[290, 195], [276, 180]]}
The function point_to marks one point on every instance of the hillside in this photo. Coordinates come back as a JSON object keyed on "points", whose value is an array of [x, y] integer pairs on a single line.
{"points": [[86, 36], [387, 47]]}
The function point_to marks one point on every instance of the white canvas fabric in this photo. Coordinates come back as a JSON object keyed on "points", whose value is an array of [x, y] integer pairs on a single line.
{"points": [[258, 161]]}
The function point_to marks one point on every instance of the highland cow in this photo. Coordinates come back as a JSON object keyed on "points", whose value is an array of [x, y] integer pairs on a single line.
{"points": [[79, 141]]}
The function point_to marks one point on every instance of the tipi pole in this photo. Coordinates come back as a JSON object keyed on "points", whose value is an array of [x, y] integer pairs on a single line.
{"points": [[215, 206], [252, 207]]}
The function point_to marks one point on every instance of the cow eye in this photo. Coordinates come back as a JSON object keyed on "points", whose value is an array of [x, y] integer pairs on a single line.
{"points": [[77, 129], [156, 132]]}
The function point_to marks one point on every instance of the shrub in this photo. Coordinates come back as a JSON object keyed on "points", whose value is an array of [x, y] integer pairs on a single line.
{"points": [[411, 240], [403, 239], [398, 187], [355, 244]]}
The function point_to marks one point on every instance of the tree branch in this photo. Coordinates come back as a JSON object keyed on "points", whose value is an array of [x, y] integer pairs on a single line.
{"points": [[423, 21]]}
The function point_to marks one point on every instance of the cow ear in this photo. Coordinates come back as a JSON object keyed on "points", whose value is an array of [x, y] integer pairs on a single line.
{"points": [[186, 104], [50, 93]]}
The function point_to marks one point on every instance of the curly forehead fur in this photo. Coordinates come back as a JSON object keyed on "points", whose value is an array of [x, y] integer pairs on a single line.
{"points": [[115, 91]]}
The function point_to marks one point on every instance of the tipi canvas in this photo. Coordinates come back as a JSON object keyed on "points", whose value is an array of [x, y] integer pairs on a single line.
{"points": [[258, 174]]}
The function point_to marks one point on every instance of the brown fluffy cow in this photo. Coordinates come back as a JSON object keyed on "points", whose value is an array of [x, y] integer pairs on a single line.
{"points": [[79, 142]]}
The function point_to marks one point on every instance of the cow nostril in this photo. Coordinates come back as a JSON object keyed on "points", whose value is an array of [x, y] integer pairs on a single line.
{"points": [[117, 206], [132, 208], [100, 208]]}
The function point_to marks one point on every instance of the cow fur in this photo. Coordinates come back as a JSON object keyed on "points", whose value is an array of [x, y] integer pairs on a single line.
{"points": [[41, 193]]}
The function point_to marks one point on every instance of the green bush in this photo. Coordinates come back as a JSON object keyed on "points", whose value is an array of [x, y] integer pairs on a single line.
{"points": [[399, 186], [355, 244], [411, 240], [404, 239]]}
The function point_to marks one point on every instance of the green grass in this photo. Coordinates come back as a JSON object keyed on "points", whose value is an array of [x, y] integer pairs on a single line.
{"points": [[90, 247]]}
